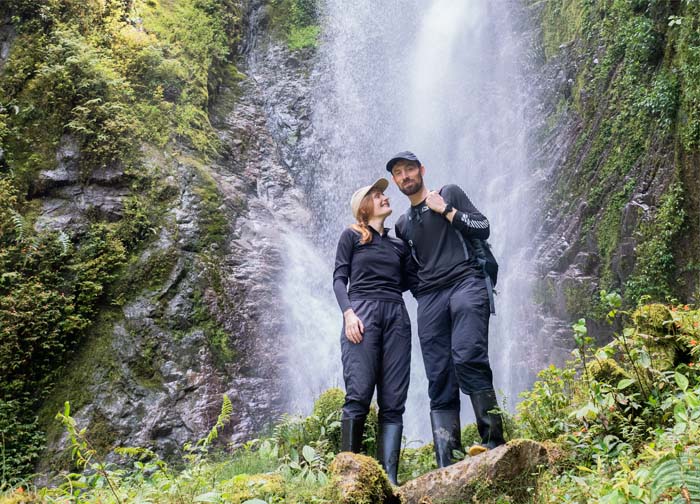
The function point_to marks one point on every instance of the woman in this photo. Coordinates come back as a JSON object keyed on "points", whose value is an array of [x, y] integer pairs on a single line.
{"points": [[376, 338]]}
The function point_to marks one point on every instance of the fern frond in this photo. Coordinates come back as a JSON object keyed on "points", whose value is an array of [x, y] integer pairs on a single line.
{"points": [[221, 421], [64, 241], [34, 244], [676, 477], [18, 222]]}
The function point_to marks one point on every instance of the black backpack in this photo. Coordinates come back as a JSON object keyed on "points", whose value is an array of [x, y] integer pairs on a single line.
{"points": [[482, 252]]}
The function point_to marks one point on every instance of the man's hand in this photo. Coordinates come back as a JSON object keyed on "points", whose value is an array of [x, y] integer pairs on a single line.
{"points": [[354, 328], [435, 202]]}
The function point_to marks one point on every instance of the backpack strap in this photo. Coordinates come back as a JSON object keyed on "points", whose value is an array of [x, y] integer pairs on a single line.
{"points": [[409, 236], [482, 263]]}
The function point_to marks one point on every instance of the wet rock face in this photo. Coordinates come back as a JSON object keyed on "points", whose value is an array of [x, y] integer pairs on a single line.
{"points": [[7, 35], [571, 267], [212, 323], [70, 200]]}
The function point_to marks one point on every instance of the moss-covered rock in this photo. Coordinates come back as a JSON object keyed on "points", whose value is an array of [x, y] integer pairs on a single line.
{"points": [[361, 480], [607, 371], [245, 487], [655, 331], [653, 319], [507, 470]]}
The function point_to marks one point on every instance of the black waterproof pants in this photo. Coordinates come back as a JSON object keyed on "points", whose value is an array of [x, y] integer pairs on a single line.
{"points": [[453, 328], [381, 359]]}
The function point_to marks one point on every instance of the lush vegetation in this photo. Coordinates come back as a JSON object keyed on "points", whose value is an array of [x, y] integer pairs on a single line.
{"points": [[636, 90], [621, 423], [113, 76], [296, 21]]}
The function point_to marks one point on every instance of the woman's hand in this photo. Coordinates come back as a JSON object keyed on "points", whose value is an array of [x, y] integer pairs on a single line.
{"points": [[354, 328]]}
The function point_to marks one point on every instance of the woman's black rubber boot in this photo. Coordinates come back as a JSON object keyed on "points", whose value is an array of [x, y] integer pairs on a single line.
{"points": [[351, 434], [447, 436], [389, 449], [488, 422]]}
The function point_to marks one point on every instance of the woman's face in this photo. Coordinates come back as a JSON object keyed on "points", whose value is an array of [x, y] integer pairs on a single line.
{"points": [[380, 204]]}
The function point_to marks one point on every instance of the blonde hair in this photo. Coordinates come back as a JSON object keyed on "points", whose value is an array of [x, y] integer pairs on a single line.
{"points": [[363, 215]]}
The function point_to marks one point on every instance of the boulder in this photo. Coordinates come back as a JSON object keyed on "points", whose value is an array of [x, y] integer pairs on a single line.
{"points": [[361, 480], [516, 461]]}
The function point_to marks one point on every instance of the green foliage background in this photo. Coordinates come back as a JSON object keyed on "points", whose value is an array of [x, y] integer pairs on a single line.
{"points": [[636, 93], [116, 75]]}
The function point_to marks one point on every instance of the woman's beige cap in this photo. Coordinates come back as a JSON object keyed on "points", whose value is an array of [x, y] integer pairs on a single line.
{"points": [[356, 199]]}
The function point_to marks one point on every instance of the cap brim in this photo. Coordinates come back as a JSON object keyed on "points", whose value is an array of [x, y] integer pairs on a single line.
{"points": [[380, 184], [395, 160]]}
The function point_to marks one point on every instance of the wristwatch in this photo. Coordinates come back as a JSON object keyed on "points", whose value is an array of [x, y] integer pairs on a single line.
{"points": [[447, 210]]}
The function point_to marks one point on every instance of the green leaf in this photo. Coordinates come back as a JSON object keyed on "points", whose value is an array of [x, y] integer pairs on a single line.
{"points": [[624, 383], [309, 453], [254, 501], [644, 359], [679, 410], [681, 380], [692, 400], [208, 497]]}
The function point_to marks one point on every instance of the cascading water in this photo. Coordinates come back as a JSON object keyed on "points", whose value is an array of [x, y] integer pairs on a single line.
{"points": [[441, 78]]}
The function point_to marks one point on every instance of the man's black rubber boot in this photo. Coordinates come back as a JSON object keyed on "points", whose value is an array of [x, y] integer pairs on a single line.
{"points": [[489, 425], [389, 449], [351, 434], [447, 435]]}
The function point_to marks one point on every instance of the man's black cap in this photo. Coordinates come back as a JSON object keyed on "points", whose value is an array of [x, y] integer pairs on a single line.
{"points": [[407, 155]]}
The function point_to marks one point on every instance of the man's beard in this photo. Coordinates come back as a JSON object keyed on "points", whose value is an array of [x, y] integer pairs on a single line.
{"points": [[414, 188]]}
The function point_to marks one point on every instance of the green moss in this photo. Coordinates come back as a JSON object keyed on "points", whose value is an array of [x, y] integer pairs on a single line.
{"points": [[218, 340], [295, 21], [151, 274], [302, 37], [147, 363], [563, 22], [326, 415], [637, 91], [470, 435], [245, 487], [580, 299], [607, 371], [101, 434], [93, 362], [653, 319], [655, 268], [361, 480], [687, 60]]}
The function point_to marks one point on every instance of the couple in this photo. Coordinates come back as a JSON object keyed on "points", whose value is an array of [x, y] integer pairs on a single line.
{"points": [[434, 258]]}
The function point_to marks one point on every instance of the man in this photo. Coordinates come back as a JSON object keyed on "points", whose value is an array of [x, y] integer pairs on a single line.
{"points": [[453, 305]]}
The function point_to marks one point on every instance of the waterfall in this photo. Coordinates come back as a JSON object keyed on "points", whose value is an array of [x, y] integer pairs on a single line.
{"points": [[442, 78]]}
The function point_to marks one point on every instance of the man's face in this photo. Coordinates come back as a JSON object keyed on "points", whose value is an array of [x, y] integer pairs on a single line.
{"points": [[408, 176]]}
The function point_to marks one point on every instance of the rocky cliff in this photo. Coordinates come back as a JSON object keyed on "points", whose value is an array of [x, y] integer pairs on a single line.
{"points": [[618, 149], [193, 312]]}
